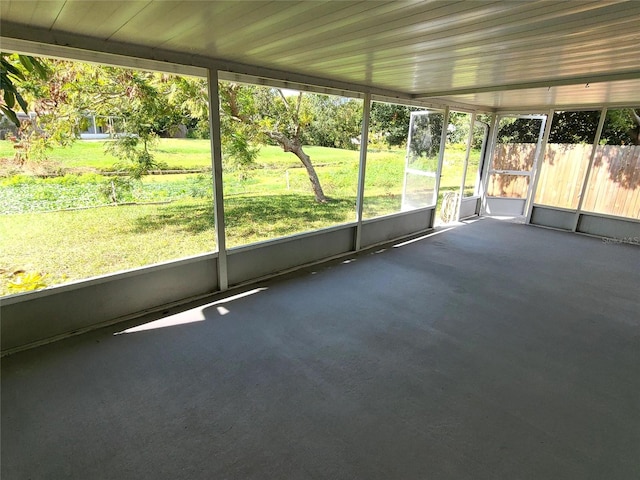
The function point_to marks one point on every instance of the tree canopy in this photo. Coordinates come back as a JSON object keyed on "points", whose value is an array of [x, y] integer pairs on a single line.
{"points": [[15, 69], [252, 115], [149, 104], [621, 128]]}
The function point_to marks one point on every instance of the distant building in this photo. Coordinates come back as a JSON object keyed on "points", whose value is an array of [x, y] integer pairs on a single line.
{"points": [[95, 127]]}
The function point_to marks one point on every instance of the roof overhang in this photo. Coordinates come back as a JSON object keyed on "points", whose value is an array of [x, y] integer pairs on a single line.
{"points": [[484, 55]]}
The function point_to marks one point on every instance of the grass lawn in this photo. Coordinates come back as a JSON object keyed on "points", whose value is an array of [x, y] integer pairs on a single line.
{"points": [[70, 245], [175, 153], [79, 244], [270, 201]]}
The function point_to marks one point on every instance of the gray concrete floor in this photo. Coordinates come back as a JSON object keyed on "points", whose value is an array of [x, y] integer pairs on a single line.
{"points": [[490, 351]]}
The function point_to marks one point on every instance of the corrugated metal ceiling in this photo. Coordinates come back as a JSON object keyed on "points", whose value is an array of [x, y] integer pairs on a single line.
{"points": [[495, 54]]}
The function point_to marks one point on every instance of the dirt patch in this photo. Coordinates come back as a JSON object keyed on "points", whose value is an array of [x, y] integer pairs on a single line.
{"points": [[40, 168]]}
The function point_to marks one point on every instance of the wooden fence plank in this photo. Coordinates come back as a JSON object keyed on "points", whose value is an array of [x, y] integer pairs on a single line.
{"points": [[614, 183]]}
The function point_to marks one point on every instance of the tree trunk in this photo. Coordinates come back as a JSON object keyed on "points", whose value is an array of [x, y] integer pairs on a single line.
{"points": [[295, 147], [313, 176], [634, 133]]}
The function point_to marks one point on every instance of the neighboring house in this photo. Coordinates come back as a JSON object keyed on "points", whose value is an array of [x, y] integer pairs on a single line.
{"points": [[96, 127], [93, 127]]}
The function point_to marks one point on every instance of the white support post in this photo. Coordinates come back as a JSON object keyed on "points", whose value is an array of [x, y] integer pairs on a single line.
{"points": [[216, 165], [537, 166], [587, 175], [443, 144], [488, 161], [364, 144], [466, 164]]}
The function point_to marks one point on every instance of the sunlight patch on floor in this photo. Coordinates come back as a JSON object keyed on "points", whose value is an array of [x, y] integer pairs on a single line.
{"points": [[191, 316]]}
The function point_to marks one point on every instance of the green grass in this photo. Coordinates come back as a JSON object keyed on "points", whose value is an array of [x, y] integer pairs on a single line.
{"points": [[179, 154], [79, 244], [175, 153], [270, 201]]}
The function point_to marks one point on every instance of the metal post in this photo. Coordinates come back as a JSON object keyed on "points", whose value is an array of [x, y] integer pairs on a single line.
{"points": [[443, 144], [364, 143], [216, 165], [587, 175], [472, 125], [488, 161], [537, 166]]}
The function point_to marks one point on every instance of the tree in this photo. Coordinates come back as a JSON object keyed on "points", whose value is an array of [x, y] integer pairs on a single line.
{"points": [[622, 127], [391, 121], [252, 115], [634, 132], [574, 127], [145, 111], [519, 130], [147, 104], [335, 121], [14, 70]]}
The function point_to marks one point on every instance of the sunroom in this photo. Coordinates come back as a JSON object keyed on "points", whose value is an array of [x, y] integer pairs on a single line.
{"points": [[519, 115]]}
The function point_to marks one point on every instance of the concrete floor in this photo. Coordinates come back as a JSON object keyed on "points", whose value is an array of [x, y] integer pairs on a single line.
{"points": [[490, 351]]}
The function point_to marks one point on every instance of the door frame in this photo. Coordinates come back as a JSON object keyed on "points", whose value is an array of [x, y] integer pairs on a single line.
{"points": [[437, 173], [477, 183], [521, 204]]}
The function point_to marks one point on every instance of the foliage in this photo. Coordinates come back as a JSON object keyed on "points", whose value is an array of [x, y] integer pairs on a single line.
{"points": [[114, 188], [14, 71], [581, 126], [252, 115], [144, 104], [22, 281], [335, 121], [458, 128], [391, 121], [574, 127], [425, 136], [519, 130], [200, 186], [621, 127], [189, 99], [239, 135], [22, 194]]}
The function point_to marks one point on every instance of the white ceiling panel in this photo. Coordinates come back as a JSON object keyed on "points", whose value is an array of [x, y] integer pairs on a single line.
{"points": [[80, 17], [41, 13], [562, 97], [476, 52]]}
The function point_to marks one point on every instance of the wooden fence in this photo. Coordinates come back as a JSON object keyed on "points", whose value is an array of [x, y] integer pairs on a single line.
{"points": [[562, 174], [614, 182], [511, 156]]}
